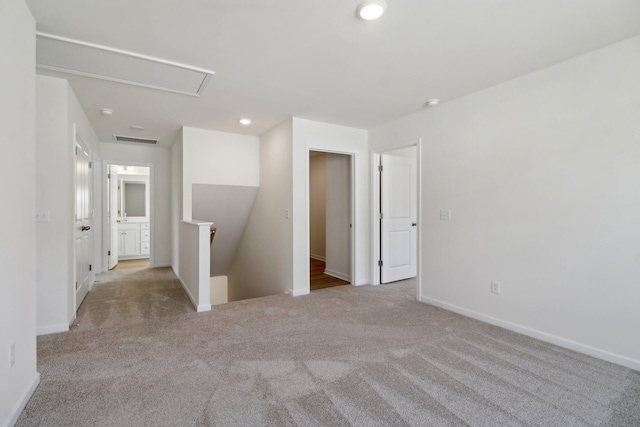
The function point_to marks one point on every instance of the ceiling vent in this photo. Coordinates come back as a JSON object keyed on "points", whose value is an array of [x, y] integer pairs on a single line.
{"points": [[71, 56], [121, 138]]}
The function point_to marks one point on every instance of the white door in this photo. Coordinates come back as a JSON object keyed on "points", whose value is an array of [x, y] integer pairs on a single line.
{"points": [[112, 216], [83, 221], [398, 203]]}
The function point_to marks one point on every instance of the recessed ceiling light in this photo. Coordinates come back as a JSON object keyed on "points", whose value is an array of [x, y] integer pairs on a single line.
{"points": [[106, 111], [137, 127], [433, 102], [245, 122], [372, 9]]}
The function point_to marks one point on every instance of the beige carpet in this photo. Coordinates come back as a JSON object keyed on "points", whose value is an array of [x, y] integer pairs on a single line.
{"points": [[367, 356]]}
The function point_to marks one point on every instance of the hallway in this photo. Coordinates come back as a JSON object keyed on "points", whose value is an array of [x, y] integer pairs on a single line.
{"points": [[132, 293]]}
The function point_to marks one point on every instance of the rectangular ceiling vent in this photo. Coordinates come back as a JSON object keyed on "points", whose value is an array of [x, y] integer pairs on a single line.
{"points": [[121, 138]]}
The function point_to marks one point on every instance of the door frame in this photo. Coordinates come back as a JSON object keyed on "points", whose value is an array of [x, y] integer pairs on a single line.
{"points": [[106, 230], [375, 209], [351, 208], [352, 173]]}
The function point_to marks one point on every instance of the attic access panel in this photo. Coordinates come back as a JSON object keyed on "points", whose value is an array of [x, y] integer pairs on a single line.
{"points": [[101, 62]]}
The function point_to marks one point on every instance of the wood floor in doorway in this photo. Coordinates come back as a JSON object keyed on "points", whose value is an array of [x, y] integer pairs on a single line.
{"points": [[319, 280], [133, 263]]}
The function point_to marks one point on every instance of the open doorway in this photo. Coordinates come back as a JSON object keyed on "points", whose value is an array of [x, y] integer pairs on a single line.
{"points": [[396, 209], [329, 219], [128, 236]]}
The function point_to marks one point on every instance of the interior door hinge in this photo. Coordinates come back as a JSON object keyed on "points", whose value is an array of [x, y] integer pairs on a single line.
{"points": [[76, 151], [109, 253], [379, 168], [380, 215], [108, 176], [90, 165], [76, 286], [90, 267], [380, 263]]}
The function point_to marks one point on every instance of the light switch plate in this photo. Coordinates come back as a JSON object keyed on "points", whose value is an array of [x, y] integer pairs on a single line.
{"points": [[43, 215], [495, 287]]}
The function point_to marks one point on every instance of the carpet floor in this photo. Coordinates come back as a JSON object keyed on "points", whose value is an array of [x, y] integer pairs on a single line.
{"points": [[138, 355]]}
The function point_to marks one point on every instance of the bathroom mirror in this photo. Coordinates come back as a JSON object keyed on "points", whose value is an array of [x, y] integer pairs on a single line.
{"points": [[134, 197]]}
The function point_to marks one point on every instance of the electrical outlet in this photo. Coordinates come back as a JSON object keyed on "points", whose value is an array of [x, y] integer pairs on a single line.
{"points": [[495, 287], [12, 354]]}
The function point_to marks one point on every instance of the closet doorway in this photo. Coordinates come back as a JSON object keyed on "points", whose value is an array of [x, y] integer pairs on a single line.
{"points": [[329, 219]]}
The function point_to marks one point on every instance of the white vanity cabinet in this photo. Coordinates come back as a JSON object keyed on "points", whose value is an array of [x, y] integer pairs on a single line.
{"points": [[133, 240]]}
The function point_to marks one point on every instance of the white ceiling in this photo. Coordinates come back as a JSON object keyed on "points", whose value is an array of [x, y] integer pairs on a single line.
{"points": [[316, 60]]}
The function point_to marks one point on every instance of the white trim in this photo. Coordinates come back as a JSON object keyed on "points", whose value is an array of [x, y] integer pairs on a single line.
{"points": [[298, 292], [17, 410], [106, 230], [337, 275], [318, 257], [123, 81], [52, 329], [199, 308], [208, 74], [375, 219], [535, 333], [132, 257], [352, 214], [124, 52]]}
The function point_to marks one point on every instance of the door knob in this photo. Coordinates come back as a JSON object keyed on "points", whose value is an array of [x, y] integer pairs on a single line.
{"points": [[85, 228]]}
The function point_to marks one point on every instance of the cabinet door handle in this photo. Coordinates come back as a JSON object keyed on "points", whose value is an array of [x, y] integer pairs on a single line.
{"points": [[85, 228]]}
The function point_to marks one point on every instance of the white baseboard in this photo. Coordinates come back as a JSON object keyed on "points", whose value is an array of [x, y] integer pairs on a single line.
{"points": [[132, 257], [542, 336], [199, 307], [17, 410], [337, 275], [52, 329], [297, 292], [318, 257], [203, 307]]}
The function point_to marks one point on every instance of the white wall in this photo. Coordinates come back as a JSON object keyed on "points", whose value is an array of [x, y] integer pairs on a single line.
{"points": [[54, 184], [194, 263], [220, 158], [160, 158], [541, 175], [176, 201], [263, 262], [18, 190], [57, 111], [318, 205], [309, 135], [338, 208]]}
